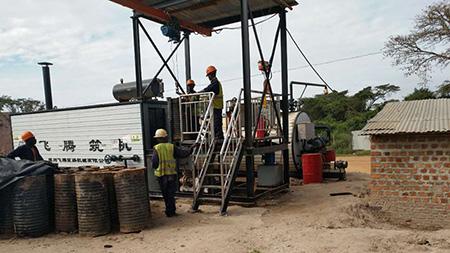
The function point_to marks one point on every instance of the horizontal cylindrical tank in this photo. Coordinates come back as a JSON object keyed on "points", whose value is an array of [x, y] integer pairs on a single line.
{"points": [[124, 92]]}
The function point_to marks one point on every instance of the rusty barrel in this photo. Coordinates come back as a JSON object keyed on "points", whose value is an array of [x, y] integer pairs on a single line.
{"points": [[92, 204], [30, 206], [132, 200], [6, 215], [66, 219]]}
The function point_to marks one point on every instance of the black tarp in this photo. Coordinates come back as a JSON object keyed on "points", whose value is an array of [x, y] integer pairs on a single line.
{"points": [[12, 170]]}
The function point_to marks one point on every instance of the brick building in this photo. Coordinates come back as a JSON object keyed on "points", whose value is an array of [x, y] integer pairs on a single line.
{"points": [[410, 161], [5, 134]]}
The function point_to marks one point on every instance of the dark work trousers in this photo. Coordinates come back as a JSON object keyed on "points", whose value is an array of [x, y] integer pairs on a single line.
{"points": [[218, 131], [168, 185]]}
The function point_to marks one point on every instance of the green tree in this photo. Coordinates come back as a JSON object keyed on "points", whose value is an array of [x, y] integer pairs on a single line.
{"points": [[427, 45], [345, 113], [420, 94], [444, 90], [20, 105]]}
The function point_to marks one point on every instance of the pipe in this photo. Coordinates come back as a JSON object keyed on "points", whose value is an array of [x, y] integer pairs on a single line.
{"points": [[47, 85], [187, 56]]}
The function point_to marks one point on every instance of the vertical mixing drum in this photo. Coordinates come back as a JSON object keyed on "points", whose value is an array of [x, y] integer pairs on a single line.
{"points": [[65, 203], [6, 215], [132, 200], [92, 204], [30, 206]]}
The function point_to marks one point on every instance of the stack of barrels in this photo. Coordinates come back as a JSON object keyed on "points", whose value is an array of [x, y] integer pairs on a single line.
{"points": [[87, 200]]}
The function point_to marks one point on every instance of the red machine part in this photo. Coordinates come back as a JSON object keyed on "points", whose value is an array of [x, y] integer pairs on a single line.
{"points": [[312, 168], [261, 130], [330, 155]]}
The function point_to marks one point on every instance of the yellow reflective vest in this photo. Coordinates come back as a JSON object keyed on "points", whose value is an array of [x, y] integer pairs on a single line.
{"points": [[218, 99], [167, 163]]}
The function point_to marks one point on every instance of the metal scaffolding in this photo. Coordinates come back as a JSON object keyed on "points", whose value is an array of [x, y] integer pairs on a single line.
{"points": [[250, 147]]}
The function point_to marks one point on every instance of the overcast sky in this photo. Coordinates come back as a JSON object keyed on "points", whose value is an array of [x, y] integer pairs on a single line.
{"points": [[90, 44]]}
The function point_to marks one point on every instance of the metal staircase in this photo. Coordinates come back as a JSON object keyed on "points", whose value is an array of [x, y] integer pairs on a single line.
{"points": [[216, 163]]}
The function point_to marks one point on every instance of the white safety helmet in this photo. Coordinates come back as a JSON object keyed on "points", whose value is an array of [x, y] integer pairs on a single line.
{"points": [[160, 133]]}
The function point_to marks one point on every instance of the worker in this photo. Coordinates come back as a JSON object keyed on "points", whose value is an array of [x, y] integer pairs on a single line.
{"points": [[193, 110], [165, 164], [27, 151], [216, 87], [190, 85]]}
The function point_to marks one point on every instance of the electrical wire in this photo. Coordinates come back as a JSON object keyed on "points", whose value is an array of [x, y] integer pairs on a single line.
{"points": [[303, 66], [239, 27], [306, 59]]}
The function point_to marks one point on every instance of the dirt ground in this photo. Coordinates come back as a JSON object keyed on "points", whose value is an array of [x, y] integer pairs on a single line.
{"points": [[357, 163], [304, 219]]}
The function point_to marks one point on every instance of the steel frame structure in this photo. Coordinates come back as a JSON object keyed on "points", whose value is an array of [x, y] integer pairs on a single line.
{"points": [[250, 149]]}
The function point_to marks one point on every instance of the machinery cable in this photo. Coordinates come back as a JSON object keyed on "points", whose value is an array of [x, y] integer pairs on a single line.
{"points": [[239, 27], [306, 59]]}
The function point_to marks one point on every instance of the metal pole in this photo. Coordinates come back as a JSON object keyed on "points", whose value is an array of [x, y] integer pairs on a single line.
{"points": [[137, 56], [47, 85], [187, 56], [249, 159], [284, 89]]}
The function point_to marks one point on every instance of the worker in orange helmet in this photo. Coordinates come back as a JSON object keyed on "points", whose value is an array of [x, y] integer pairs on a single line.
{"points": [[193, 112], [216, 87], [27, 151], [190, 84]]}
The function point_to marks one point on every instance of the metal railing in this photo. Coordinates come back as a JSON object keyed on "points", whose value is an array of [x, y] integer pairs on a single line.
{"points": [[198, 109], [267, 128], [193, 113], [231, 147]]}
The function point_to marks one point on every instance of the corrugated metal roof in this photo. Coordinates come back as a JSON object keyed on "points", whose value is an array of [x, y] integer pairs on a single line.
{"points": [[421, 116], [203, 13], [208, 11]]}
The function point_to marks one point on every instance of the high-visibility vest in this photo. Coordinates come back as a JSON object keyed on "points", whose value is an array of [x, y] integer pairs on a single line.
{"points": [[218, 98], [167, 163]]}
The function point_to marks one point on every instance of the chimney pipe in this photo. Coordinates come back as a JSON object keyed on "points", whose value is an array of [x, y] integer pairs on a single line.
{"points": [[47, 84]]}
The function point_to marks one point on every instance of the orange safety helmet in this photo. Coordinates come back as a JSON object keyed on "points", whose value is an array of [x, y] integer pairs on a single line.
{"points": [[210, 70], [26, 135], [190, 82]]}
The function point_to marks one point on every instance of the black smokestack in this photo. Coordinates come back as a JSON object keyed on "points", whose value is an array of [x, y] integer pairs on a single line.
{"points": [[47, 84]]}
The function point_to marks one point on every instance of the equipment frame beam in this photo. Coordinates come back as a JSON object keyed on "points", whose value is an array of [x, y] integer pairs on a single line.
{"points": [[284, 92], [137, 55], [245, 37], [165, 61]]}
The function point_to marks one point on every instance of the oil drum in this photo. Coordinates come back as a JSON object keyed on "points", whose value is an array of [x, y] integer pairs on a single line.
{"points": [[92, 203], [6, 215], [132, 200], [30, 206], [66, 219], [312, 168]]}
